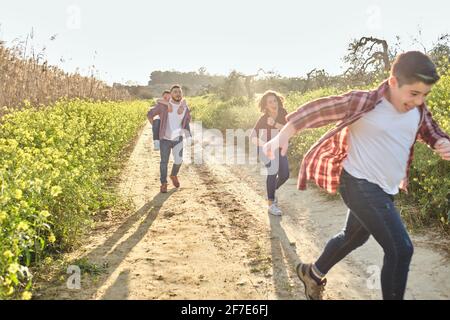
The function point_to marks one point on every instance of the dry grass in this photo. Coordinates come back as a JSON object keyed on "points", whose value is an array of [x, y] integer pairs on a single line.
{"points": [[26, 76]]}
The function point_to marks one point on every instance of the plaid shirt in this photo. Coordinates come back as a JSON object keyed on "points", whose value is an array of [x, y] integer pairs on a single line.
{"points": [[323, 161]]}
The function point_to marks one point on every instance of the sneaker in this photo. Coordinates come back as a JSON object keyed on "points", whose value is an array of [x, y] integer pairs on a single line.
{"points": [[313, 291], [163, 188], [175, 181], [156, 145], [274, 210]]}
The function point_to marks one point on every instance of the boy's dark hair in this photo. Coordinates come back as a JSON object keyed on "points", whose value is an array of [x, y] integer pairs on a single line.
{"points": [[414, 66], [175, 86], [165, 92]]}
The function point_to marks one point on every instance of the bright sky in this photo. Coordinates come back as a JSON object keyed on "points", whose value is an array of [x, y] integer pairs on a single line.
{"points": [[127, 40]]}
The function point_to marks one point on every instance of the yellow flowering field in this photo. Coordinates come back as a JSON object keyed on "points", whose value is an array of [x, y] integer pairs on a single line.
{"points": [[54, 162]]}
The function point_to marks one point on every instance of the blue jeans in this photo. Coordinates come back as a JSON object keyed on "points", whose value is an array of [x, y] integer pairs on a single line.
{"points": [[155, 129], [277, 172], [177, 150], [371, 212]]}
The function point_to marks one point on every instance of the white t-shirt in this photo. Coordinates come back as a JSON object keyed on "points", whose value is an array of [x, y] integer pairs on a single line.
{"points": [[379, 145], [174, 120]]}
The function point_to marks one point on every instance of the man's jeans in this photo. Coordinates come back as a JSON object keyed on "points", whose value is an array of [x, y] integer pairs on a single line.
{"points": [[177, 150], [155, 129], [371, 212]]}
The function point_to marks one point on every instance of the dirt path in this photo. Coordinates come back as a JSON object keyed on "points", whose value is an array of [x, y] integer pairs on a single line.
{"points": [[213, 239]]}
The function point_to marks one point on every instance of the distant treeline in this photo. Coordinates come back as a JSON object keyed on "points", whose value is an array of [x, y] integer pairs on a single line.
{"points": [[367, 61]]}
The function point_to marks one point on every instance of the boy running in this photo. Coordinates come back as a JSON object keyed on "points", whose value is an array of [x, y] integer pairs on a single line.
{"points": [[367, 156]]}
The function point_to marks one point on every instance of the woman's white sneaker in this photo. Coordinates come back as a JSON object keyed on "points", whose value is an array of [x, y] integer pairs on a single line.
{"points": [[274, 210]]}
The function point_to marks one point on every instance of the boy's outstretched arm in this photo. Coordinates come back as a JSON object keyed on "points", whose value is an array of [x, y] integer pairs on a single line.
{"points": [[281, 140], [442, 147], [254, 138], [315, 114]]}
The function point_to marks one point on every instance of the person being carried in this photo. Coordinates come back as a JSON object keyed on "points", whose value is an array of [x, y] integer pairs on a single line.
{"points": [[157, 121]]}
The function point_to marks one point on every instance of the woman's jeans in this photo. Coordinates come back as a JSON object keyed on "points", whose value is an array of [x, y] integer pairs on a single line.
{"points": [[371, 212], [277, 172]]}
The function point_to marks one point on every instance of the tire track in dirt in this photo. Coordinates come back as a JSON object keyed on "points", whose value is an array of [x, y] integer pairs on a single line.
{"points": [[268, 253], [194, 242]]}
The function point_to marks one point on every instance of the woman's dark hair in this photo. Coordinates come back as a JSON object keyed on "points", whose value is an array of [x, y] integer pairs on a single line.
{"points": [[263, 101]]}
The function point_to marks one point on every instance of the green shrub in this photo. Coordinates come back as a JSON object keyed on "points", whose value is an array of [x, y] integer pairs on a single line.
{"points": [[53, 168], [430, 175]]}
